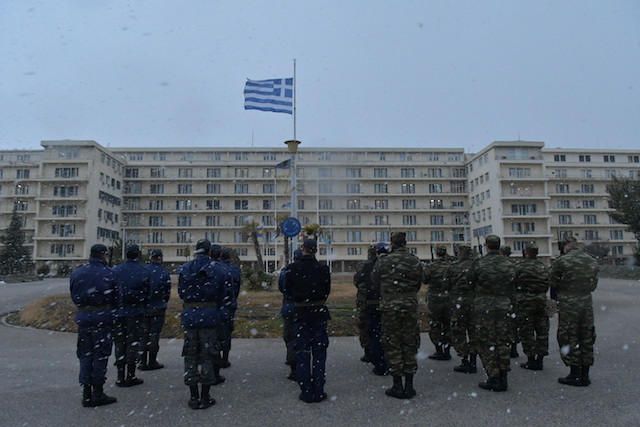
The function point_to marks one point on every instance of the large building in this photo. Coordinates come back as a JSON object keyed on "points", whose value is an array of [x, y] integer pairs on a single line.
{"points": [[73, 194]]}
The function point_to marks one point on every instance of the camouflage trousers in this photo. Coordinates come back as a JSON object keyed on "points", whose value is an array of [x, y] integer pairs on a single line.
{"points": [[439, 317], [463, 327], [201, 351], [576, 331], [493, 332], [533, 325], [401, 340], [361, 323]]}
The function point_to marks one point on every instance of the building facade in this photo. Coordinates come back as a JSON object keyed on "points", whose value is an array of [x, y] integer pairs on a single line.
{"points": [[73, 194]]}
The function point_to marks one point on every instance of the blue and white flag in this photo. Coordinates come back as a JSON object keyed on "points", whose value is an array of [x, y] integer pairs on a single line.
{"points": [[269, 95], [284, 164]]}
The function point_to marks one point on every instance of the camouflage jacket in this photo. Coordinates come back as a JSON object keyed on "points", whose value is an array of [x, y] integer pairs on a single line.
{"points": [[575, 272], [532, 277], [434, 275], [458, 282], [399, 275], [493, 274]]}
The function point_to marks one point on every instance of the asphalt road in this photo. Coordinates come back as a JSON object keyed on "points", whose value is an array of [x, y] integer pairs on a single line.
{"points": [[38, 382]]}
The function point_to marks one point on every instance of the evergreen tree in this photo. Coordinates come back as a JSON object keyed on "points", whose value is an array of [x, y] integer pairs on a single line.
{"points": [[14, 258], [624, 197]]}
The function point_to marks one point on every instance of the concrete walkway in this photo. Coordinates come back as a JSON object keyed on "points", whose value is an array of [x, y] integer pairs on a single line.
{"points": [[38, 382]]}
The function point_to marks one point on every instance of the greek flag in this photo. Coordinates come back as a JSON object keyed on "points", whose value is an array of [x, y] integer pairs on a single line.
{"points": [[269, 95]]}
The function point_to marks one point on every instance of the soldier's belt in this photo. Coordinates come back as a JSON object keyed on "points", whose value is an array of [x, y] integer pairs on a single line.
{"points": [[200, 304], [317, 303], [94, 307], [373, 302]]}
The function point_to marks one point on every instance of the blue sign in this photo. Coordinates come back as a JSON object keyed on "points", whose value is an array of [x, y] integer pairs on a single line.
{"points": [[291, 227]]}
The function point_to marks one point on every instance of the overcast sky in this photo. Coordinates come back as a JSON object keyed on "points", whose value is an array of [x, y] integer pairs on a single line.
{"points": [[370, 73]]}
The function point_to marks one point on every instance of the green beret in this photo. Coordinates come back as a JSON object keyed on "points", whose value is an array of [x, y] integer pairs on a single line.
{"points": [[492, 238], [531, 245], [399, 238], [569, 239]]}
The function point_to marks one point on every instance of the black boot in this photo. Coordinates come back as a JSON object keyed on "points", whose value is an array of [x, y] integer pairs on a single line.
{"points": [[584, 376], [531, 364], [464, 366], [219, 378], [194, 401], [131, 376], [225, 359], [440, 353], [86, 396], [397, 390], [409, 391], [153, 362], [205, 399], [503, 382], [292, 375], [473, 367], [143, 366], [367, 357], [493, 384], [98, 398], [539, 359], [514, 350], [574, 377], [121, 382]]}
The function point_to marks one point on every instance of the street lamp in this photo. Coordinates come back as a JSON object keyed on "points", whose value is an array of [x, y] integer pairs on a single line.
{"points": [[292, 144]]}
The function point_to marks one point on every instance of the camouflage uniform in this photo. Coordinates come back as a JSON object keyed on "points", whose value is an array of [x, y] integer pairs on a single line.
{"points": [[532, 284], [575, 275], [399, 275], [514, 339], [462, 319], [361, 305], [493, 277], [438, 304]]}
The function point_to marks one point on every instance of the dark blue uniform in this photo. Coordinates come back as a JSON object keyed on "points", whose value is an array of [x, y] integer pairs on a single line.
{"points": [[202, 286], [288, 332], [133, 281], [94, 292], [309, 284], [154, 313], [233, 292]]}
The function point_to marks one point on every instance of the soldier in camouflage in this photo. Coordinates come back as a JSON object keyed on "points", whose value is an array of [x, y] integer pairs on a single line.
{"points": [[399, 275], [532, 284], [462, 320], [505, 251], [361, 305], [438, 304], [575, 275], [493, 278]]}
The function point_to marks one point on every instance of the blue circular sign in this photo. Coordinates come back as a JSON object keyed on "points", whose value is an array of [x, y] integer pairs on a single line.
{"points": [[291, 227]]}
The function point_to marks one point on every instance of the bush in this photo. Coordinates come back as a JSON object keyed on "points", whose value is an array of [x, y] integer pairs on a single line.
{"points": [[64, 270], [256, 280], [44, 270]]}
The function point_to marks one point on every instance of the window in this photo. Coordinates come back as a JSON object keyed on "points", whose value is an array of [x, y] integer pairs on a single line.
{"points": [[21, 205], [564, 219], [325, 204], [354, 173], [634, 159], [564, 204], [412, 236], [213, 189], [609, 159], [156, 188], [242, 157], [562, 188], [436, 219], [354, 251], [185, 188], [408, 204], [242, 205], [408, 188], [240, 220], [434, 173], [268, 204], [437, 236], [214, 156], [382, 220], [520, 172], [183, 221], [354, 236], [409, 220], [268, 188], [523, 227], [406, 157], [587, 188], [617, 250], [241, 188], [213, 205], [325, 172], [183, 205], [435, 188], [241, 172], [156, 221], [62, 191], [62, 249], [434, 204], [131, 173], [353, 204], [616, 234], [213, 173], [381, 188], [156, 237], [66, 172], [458, 186], [591, 235], [22, 173], [212, 221], [382, 236], [585, 158], [268, 220], [156, 205], [610, 173], [325, 188], [381, 204], [559, 158], [407, 172], [588, 204], [353, 219], [590, 219], [64, 210], [380, 173], [353, 188], [185, 173], [157, 173], [561, 173], [185, 157], [382, 156], [326, 219], [459, 173]]}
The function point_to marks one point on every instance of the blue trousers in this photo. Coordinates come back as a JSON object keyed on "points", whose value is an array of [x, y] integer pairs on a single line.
{"points": [[374, 330], [93, 351], [311, 356]]}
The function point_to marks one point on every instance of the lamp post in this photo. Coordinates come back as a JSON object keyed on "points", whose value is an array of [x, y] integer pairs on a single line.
{"points": [[292, 145]]}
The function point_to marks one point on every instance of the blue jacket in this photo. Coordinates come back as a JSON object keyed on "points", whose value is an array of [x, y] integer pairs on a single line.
{"points": [[236, 282], [160, 289], [133, 281], [92, 286], [287, 301], [203, 280], [309, 284]]}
